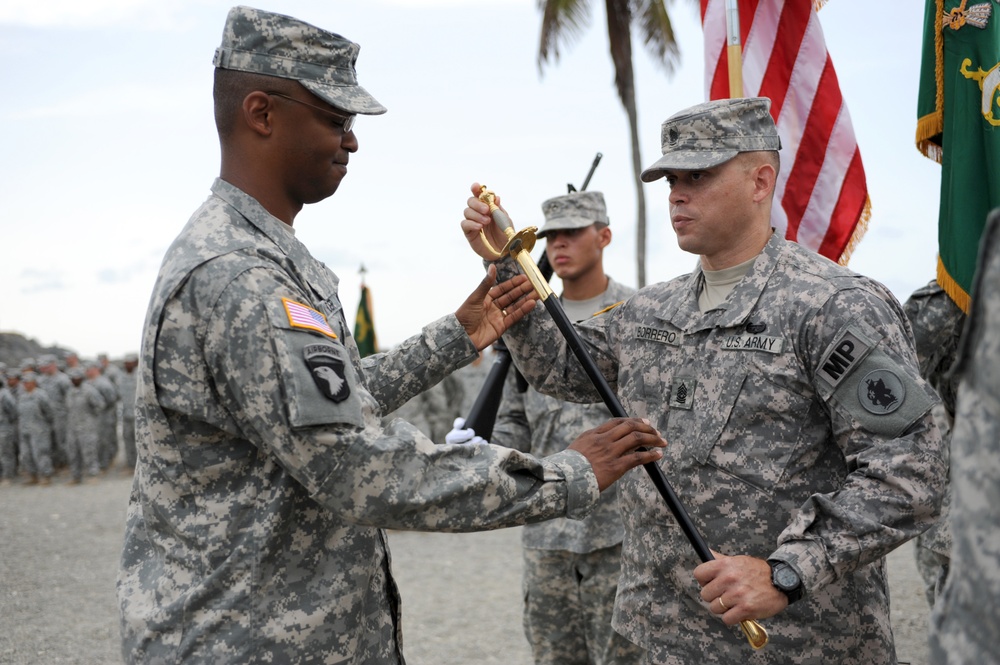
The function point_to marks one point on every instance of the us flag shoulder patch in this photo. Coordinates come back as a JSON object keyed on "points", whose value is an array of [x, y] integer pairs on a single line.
{"points": [[303, 316]]}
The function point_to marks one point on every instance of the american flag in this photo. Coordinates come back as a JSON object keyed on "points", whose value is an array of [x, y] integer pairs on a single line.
{"points": [[822, 190], [302, 316]]}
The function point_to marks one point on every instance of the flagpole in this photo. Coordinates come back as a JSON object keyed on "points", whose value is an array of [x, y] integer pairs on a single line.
{"points": [[733, 49]]}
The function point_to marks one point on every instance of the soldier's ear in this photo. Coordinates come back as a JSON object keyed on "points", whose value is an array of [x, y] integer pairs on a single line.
{"points": [[258, 108], [604, 235]]}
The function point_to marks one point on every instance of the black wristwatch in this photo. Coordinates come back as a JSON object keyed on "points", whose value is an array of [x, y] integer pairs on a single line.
{"points": [[786, 580]]}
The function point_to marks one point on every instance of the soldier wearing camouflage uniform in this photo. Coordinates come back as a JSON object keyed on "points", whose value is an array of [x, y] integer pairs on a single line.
{"points": [[56, 385], [965, 627], [126, 386], [571, 567], [264, 478], [34, 428], [107, 430], [800, 433], [86, 405], [8, 429], [937, 327]]}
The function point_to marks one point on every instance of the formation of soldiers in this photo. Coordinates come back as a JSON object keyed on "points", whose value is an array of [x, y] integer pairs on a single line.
{"points": [[66, 417]]}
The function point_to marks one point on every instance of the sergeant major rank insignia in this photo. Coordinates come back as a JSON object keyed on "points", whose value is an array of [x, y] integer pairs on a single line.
{"points": [[682, 393], [328, 371]]}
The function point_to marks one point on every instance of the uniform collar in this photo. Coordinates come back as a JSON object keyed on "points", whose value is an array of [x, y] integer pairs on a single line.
{"points": [[684, 312], [323, 281]]}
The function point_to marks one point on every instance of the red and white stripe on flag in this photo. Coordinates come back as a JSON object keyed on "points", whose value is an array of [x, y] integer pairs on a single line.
{"points": [[821, 188]]}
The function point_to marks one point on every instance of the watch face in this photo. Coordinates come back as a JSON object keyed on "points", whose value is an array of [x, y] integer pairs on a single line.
{"points": [[785, 577]]}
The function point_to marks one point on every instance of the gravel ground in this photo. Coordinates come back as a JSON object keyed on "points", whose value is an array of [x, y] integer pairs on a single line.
{"points": [[59, 548]]}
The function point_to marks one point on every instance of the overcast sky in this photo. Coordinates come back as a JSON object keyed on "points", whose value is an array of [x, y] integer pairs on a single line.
{"points": [[109, 146]]}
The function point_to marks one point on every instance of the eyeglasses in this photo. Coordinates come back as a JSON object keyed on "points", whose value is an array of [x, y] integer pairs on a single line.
{"points": [[346, 123]]}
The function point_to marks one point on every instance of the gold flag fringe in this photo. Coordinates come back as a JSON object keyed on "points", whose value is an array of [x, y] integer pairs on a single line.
{"points": [[932, 124], [951, 287], [859, 232]]}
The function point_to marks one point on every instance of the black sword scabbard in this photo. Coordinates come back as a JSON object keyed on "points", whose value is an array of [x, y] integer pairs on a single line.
{"points": [[656, 474]]}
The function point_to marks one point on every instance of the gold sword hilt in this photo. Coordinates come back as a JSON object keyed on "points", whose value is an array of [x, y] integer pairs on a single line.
{"points": [[519, 244], [754, 632]]}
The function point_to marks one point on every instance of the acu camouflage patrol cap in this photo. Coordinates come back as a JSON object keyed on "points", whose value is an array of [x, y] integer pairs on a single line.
{"points": [[575, 210], [262, 42], [712, 133]]}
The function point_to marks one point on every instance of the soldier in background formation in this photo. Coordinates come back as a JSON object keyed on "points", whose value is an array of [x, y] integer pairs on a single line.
{"points": [[85, 405], [59, 417], [126, 388], [937, 327], [35, 417], [8, 426], [571, 567]]}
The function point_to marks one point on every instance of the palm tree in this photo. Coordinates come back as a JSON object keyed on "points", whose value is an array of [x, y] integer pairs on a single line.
{"points": [[564, 20]]}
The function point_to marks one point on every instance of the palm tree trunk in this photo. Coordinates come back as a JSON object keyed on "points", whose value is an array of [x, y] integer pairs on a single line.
{"points": [[620, 41], [640, 194]]}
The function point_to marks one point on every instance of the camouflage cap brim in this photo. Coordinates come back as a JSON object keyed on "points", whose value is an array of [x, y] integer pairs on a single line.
{"points": [[564, 223], [687, 160], [350, 98]]}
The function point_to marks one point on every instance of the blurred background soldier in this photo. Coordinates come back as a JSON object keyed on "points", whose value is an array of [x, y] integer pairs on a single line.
{"points": [[937, 327], [126, 386], [56, 385], [86, 406], [8, 428], [571, 567], [34, 420], [964, 624], [107, 433], [72, 360]]}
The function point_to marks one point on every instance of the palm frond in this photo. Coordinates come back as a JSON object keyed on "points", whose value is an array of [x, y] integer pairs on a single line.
{"points": [[563, 22], [658, 33]]}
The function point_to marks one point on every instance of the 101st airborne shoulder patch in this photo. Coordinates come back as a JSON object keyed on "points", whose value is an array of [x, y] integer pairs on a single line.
{"points": [[327, 368]]}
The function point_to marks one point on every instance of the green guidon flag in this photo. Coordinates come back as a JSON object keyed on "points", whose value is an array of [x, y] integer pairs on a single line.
{"points": [[364, 325], [958, 125]]}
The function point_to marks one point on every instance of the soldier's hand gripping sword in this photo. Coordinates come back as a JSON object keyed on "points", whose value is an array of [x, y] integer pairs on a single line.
{"points": [[519, 245]]}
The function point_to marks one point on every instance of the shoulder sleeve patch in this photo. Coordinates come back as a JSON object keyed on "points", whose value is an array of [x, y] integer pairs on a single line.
{"points": [[882, 395], [307, 318]]}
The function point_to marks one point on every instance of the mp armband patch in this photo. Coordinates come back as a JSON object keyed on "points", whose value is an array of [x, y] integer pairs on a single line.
{"points": [[845, 356]]}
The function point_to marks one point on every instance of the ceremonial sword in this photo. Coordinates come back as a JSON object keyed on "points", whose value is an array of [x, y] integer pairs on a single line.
{"points": [[519, 246]]}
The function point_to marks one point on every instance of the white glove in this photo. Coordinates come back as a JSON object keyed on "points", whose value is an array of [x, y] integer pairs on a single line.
{"points": [[459, 434]]}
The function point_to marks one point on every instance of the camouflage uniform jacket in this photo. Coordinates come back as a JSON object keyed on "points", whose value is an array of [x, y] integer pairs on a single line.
{"points": [[541, 425], [8, 407], [85, 404], [964, 624], [263, 478], [797, 427], [56, 386], [35, 412], [126, 387]]}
